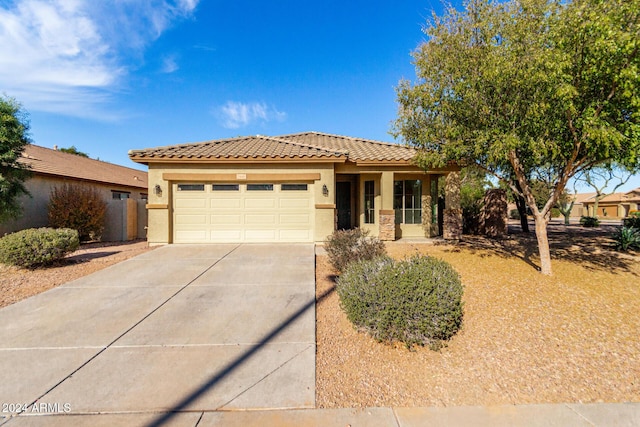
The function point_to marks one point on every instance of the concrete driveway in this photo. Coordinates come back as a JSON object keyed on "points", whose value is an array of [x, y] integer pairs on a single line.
{"points": [[180, 328]]}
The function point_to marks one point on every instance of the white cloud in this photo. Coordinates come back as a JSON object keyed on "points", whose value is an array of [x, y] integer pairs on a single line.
{"points": [[169, 64], [68, 56], [234, 115]]}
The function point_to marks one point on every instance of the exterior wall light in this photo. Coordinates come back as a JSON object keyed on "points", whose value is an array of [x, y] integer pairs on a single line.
{"points": [[157, 190], [325, 190]]}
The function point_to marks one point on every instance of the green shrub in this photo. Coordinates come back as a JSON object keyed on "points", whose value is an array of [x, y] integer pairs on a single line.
{"points": [[633, 221], [78, 207], [37, 246], [415, 301], [589, 221], [471, 219], [347, 246], [514, 214], [627, 238]]}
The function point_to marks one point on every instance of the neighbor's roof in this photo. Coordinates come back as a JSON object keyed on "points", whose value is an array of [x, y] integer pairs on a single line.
{"points": [[583, 197], [616, 197], [308, 146], [46, 161]]}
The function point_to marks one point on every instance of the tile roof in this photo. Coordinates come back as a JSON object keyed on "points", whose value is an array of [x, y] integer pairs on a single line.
{"points": [[360, 150], [583, 197], [616, 197], [46, 161], [301, 146]]}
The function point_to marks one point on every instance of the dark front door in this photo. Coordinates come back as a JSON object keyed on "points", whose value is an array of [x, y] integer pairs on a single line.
{"points": [[343, 205]]}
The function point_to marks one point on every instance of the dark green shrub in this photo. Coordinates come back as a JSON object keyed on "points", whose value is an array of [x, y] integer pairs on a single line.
{"points": [[514, 214], [415, 301], [37, 246], [627, 238], [78, 207], [347, 246], [471, 218], [589, 221], [632, 221]]}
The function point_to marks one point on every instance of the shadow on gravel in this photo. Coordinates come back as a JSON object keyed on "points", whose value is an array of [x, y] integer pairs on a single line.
{"points": [[591, 248]]}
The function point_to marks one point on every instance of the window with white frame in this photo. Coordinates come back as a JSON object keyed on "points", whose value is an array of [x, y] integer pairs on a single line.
{"points": [[407, 201]]}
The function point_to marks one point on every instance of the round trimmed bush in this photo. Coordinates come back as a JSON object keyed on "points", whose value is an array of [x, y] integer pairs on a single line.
{"points": [[36, 247], [415, 301], [589, 221]]}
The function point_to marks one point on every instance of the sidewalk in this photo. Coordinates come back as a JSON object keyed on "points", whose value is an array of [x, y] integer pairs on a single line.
{"points": [[561, 415]]}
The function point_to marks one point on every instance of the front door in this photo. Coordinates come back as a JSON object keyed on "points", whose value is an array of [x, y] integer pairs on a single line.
{"points": [[343, 205]]}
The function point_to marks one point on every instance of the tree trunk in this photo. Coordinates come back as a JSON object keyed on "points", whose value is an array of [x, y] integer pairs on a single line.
{"points": [[521, 204], [543, 244]]}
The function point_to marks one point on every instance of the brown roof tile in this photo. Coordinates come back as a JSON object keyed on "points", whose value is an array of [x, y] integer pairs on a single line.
{"points": [[309, 145], [360, 150], [57, 163]]}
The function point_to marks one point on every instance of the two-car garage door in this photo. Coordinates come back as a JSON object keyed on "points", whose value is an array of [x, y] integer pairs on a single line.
{"points": [[242, 212]]}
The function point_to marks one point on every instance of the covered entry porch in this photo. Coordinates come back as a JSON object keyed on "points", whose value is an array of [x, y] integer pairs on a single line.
{"points": [[399, 204]]}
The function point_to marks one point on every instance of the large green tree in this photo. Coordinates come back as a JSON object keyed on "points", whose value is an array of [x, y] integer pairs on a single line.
{"points": [[521, 88], [14, 128]]}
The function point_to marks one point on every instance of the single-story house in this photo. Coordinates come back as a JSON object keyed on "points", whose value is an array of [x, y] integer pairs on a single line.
{"points": [[616, 205], [294, 188], [121, 186], [578, 210]]}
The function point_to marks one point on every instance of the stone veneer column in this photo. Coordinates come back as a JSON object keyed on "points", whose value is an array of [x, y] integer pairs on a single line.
{"points": [[452, 227], [387, 231]]}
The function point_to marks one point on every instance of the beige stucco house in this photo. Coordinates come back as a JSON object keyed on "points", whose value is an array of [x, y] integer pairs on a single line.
{"points": [[294, 188], [123, 188], [616, 205]]}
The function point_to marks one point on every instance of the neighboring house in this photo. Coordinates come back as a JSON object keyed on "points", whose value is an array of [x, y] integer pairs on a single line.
{"points": [[124, 188], [294, 188], [578, 210], [616, 205]]}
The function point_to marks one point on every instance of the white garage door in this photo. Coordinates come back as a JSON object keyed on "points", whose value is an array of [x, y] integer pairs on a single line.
{"points": [[225, 212]]}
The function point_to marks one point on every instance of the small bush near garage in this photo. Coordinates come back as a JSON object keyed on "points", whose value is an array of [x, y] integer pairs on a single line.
{"points": [[347, 246], [80, 208], [415, 301], [633, 220], [36, 247], [627, 238], [589, 221]]}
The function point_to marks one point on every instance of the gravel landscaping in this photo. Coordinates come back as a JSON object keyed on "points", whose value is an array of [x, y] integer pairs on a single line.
{"points": [[525, 338], [17, 284]]}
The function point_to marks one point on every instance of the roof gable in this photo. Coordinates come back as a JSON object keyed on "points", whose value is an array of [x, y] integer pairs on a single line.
{"points": [[308, 146], [46, 161]]}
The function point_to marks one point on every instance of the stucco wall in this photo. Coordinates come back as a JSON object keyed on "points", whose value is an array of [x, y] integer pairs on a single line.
{"points": [[34, 206], [159, 205]]}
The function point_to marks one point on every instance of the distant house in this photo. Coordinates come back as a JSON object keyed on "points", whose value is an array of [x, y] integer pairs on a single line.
{"points": [[617, 205], [124, 188], [578, 208]]}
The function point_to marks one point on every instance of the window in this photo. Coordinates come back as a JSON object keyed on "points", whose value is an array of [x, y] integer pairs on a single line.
{"points": [[190, 187], [407, 201], [369, 202], [293, 187], [120, 195], [225, 187], [144, 196], [260, 187]]}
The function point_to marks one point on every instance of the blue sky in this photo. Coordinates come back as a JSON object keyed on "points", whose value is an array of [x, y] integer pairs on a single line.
{"points": [[110, 75]]}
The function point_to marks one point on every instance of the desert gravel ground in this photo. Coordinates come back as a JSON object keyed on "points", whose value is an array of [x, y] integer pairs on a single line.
{"points": [[17, 283], [526, 338]]}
